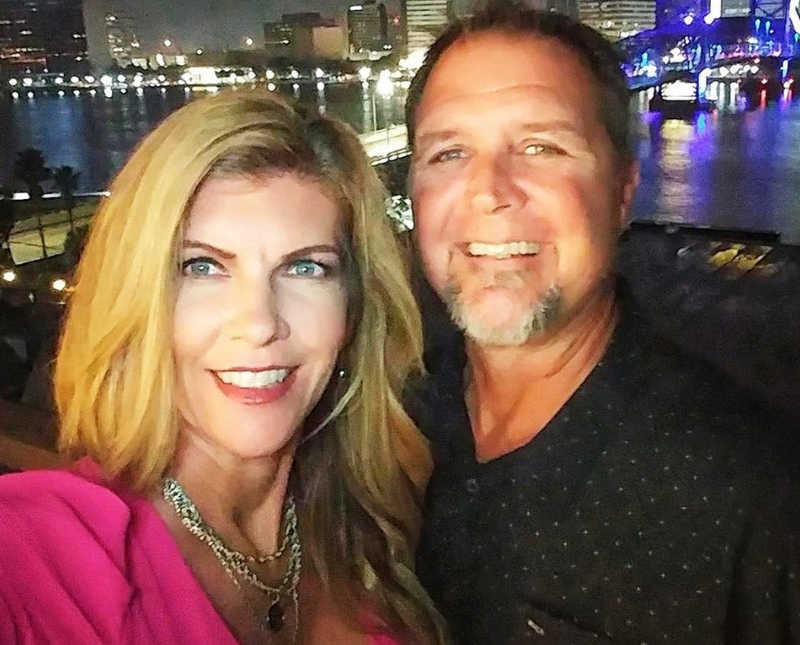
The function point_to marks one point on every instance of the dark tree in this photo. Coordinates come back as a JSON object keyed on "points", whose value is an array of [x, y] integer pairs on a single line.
{"points": [[66, 179], [6, 219], [30, 169]]}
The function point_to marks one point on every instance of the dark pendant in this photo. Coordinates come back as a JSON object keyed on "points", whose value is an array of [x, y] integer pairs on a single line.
{"points": [[275, 617]]}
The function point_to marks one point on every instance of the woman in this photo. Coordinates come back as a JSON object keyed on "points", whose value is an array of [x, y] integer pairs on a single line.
{"points": [[229, 371]]}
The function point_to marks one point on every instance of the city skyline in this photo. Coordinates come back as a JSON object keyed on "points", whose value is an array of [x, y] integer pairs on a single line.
{"points": [[215, 24]]}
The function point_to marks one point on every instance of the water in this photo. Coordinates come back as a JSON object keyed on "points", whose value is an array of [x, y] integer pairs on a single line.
{"points": [[96, 132], [733, 168]]}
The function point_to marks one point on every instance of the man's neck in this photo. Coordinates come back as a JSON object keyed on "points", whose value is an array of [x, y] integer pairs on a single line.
{"points": [[513, 392]]}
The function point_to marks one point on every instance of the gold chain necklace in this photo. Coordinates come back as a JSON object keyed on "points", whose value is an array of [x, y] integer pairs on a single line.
{"points": [[237, 565]]}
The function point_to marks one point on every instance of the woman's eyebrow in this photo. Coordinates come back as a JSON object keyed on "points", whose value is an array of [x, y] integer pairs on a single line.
{"points": [[193, 244], [308, 250]]}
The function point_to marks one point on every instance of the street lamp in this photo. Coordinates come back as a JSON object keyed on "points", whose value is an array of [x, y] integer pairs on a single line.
{"points": [[385, 85], [249, 41], [167, 42]]}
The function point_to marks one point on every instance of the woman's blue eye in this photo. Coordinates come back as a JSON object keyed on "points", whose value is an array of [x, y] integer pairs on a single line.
{"points": [[307, 269], [201, 268]]}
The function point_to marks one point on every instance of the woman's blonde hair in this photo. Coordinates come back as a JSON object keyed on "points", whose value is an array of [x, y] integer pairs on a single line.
{"points": [[361, 479]]}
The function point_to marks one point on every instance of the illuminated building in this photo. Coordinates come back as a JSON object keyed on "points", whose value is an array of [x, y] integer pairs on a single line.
{"points": [[42, 34], [425, 19], [123, 45], [617, 19], [367, 27], [304, 35]]}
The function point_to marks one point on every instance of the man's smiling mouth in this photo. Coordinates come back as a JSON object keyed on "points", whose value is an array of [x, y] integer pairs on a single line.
{"points": [[502, 251]]}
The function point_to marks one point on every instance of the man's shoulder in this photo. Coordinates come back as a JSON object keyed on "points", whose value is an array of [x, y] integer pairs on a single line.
{"points": [[695, 402], [659, 370]]}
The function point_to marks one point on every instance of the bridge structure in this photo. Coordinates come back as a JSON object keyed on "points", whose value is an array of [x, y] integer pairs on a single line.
{"points": [[699, 56]]}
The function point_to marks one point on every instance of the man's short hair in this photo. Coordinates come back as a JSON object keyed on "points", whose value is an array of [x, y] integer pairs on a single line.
{"points": [[598, 54]]}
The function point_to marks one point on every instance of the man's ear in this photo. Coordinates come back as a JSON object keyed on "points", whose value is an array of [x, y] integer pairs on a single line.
{"points": [[629, 176]]}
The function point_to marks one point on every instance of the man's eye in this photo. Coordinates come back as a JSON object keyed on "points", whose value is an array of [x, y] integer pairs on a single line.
{"points": [[448, 155], [307, 269], [536, 149], [201, 267]]}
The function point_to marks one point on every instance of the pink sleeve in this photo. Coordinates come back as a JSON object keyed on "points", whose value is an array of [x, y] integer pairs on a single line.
{"points": [[80, 564], [7, 629]]}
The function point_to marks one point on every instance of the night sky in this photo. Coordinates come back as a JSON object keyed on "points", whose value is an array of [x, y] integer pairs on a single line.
{"points": [[214, 24]]}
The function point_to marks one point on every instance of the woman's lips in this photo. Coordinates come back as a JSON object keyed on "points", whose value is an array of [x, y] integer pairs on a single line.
{"points": [[256, 395]]}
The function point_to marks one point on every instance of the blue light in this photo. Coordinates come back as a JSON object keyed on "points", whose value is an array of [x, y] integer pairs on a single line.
{"points": [[758, 24], [784, 69], [767, 25]]}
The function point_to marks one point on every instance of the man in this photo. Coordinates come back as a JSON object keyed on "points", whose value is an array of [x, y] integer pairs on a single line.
{"points": [[591, 484]]}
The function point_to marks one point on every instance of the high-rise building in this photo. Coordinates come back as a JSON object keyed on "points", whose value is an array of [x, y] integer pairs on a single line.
{"points": [[42, 34], [123, 45], [734, 8], [278, 38], [671, 11], [367, 29], [94, 17], [425, 19], [617, 19], [304, 35], [462, 8]]}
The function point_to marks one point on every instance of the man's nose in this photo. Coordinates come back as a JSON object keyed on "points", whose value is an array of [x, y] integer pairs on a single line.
{"points": [[492, 189], [256, 315]]}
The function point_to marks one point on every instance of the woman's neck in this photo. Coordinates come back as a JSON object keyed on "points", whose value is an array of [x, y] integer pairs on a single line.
{"points": [[241, 499]]}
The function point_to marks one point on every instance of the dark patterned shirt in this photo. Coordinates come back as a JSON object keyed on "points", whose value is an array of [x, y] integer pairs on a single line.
{"points": [[649, 510]]}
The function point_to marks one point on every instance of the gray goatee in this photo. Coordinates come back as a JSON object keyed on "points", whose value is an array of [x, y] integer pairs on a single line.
{"points": [[531, 323]]}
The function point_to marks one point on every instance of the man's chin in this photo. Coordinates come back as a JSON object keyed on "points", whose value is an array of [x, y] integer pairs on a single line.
{"points": [[496, 322]]}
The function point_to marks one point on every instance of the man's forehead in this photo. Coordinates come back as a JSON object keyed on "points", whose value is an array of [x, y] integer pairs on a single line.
{"points": [[525, 104], [492, 68]]}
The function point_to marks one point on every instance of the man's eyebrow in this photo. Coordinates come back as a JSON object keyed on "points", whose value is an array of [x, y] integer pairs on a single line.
{"points": [[555, 125], [436, 136], [193, 244]]}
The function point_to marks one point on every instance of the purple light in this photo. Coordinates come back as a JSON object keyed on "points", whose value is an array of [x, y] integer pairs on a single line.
{"points": [[709, 18], [688, 19]]}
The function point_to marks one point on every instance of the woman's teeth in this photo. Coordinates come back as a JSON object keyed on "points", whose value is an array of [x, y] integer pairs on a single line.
{"points": [[262, 378], [502, 251]]}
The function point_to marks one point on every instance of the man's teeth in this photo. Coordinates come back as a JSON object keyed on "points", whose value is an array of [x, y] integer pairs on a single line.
{"points": [[264, 378], [502, 251]]}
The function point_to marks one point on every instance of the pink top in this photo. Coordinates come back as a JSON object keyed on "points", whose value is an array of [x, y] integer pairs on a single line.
{"points": [[82, 563]]}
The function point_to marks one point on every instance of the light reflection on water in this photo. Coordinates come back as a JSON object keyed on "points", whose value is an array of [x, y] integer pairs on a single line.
{"points": [[96, 132], [729, 168], [734, 168]]}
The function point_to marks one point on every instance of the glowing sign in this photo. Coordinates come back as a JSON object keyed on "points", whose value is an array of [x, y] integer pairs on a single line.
{"points": [[794, 14]]}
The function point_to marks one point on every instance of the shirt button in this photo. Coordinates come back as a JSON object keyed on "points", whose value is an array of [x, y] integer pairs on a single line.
{"points": [[472, 485]]}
